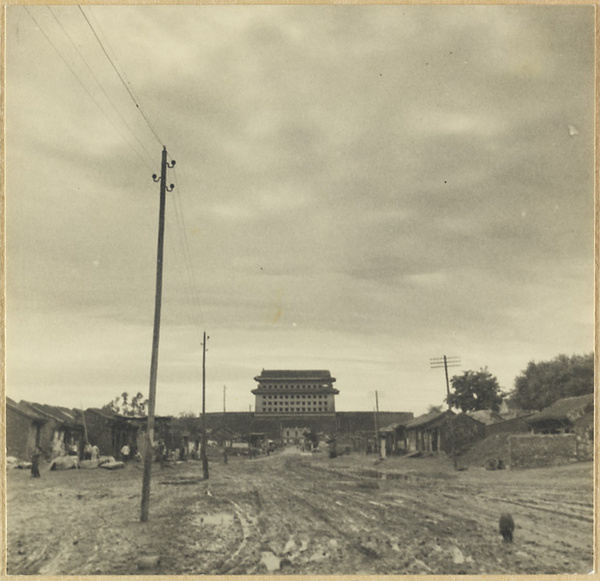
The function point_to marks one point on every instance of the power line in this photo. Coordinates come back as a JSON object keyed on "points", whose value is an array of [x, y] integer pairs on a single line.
{"points": [[139, 107], [185, 245], [83, 85], [99, 83]]}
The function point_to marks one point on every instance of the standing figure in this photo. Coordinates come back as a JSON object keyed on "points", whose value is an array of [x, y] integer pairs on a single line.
{"points": [[125, 453], [35, 463]]}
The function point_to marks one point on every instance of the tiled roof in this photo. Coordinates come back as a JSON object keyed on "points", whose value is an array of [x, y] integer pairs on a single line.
{"points": [[111, 415], [62, 415], [486, 417], [105, 413], [424, 419], [568, 408], [393, 427], [295, 374], [24, 410]]}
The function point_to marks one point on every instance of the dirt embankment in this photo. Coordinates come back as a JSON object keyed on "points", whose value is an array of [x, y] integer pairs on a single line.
{"points": [[302, 514]]}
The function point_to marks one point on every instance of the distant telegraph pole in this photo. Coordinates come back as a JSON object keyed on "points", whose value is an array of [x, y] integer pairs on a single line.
{"points": [[203, 453], [156, 335], [377, 440], [445, 362]]}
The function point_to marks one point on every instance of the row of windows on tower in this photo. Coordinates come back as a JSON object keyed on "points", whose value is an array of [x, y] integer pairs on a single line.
{"points": [[294, 409], [294, 397], [294, 386]]}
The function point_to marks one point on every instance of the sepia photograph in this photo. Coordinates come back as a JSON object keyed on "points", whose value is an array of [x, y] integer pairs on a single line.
{"points": [[299, 289]]}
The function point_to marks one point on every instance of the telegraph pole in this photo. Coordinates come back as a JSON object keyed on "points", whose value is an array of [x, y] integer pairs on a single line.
{"points": [[377, 441], [156, 335], [203, 453], [224, 398], [445, 362]]}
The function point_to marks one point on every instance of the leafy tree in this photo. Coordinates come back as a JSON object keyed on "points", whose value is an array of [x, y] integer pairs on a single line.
{"points": [[435, 408], [475, 390], [542, 383], [137, 406]]}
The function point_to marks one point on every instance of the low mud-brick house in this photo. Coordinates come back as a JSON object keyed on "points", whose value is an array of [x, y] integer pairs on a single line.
{"points": [[63, 431], [110, 431], [443, 432], [395, 437], [23, 430], [564, 415], [572, 417]]}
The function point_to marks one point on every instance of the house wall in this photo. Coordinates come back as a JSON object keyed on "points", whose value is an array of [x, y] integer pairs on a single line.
{"points": [[20, 435], [100, 432], [536, 450], [50, 433], [512, 426], [466, 431], [411, 440], [395, 443], [442, 436]]}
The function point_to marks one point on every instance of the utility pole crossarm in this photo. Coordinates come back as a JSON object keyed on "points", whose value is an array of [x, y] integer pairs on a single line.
{"points": [[443, 363]]}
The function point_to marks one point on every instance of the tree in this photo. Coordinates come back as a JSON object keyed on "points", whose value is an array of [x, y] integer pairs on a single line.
{"points": [[137, 406], [475, 390], [542, 383], [435, 408]]}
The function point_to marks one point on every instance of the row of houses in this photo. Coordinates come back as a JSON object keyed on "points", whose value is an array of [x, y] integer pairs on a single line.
{"points": [[445, 431], [58, 431]]}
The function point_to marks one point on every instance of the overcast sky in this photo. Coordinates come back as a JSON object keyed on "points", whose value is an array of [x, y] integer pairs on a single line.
{"points": [[358, 189]]}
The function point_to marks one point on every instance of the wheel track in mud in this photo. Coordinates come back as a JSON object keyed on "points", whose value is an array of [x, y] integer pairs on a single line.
{"points": [[312, 519], [579, 510], [420, 492]]}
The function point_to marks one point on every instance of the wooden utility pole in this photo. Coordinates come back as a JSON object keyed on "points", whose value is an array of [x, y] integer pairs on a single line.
{"points": [[224, 398], [377, 441], [84, 426], [203, 453], [445, 362], [156, 335]]}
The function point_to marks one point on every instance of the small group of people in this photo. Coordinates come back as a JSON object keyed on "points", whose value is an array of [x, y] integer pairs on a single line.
{"points": [[91, 452]]}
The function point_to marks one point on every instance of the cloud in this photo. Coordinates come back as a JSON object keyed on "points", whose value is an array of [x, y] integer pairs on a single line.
{"points": [[401, 176]]}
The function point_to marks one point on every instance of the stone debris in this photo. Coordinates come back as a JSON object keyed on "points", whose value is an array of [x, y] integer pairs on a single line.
{"points": [[148, 562], [270, 561], [457, 556]]}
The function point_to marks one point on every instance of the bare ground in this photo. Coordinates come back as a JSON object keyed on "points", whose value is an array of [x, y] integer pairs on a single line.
{"points": [[294, 513]]}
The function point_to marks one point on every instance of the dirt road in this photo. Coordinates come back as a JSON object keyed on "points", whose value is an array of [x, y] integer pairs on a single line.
{"points": [[294, 513]]}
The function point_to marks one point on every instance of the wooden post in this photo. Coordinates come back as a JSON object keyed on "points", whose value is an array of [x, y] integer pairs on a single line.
{"points": [[203, 453], [155, 337]]}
